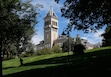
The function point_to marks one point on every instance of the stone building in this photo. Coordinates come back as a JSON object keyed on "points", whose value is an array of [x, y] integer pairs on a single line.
{"points": [[50, 30], [51, 33]]}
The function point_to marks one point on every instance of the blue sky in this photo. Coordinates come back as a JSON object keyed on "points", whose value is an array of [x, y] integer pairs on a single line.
{"points": [[91, 37]]}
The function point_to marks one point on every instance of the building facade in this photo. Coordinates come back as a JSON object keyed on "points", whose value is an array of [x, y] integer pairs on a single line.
{"points": [[51, 33], [50, 28]]}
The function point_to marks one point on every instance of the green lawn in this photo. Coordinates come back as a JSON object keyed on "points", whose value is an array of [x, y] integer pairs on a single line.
{"points": [[57, 65], [13, 65]]}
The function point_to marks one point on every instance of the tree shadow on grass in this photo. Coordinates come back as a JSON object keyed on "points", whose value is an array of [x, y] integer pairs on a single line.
{"points": [[76, 59], [55, 60], [9, 67], [88, 64]]}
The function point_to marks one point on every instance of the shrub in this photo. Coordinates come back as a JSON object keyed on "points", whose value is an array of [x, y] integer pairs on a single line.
{"points": [[56, 49], [44, 51]]}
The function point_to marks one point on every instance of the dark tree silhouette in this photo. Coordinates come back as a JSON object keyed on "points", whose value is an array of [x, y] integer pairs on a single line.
{"points": [[66, 44], [17, 21], [78, 47], [107, 37], [87, 15]]}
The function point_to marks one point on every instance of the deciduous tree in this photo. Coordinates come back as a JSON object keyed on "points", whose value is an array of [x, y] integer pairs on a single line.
{"points": [[17, 21], [87, 15], [107, 37], [67, 44]]}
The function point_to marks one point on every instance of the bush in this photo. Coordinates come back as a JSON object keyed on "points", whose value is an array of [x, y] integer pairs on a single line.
{"points": [[44, 51], [79, 49], [56, 49]]}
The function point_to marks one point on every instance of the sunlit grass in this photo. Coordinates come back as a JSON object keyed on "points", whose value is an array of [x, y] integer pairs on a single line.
{"points": [[98, 49], [15, 62], [13, 65]]}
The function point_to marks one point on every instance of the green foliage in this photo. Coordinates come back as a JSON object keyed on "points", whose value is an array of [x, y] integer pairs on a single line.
{"points": [[30, 49], [14, 63], [79, 49], [93, 61], [87, 15], [44, 51], [78, 40], [68, 43], [17, 21], [107, 36], [56, 49]]}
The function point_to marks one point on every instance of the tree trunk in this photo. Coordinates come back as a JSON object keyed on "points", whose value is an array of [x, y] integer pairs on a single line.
{"points": [[0, 57], [0, 64]]}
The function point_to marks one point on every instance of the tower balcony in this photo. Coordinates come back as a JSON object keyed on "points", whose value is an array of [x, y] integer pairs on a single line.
{"points": [[49, 26], [54, 26]]}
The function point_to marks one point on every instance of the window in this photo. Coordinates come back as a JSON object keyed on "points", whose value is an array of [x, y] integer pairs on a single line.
{"points": [[54, 23], [47, 22]]}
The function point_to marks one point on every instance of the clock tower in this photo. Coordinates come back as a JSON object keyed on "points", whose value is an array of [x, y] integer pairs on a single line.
{"points": [[50, 28]]}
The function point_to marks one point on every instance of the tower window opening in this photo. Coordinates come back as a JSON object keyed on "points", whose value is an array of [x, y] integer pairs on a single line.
{"points": [[54, 23]]}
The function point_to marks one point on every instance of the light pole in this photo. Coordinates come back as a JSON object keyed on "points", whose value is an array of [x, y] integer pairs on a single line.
{"points": [[67, 33]]}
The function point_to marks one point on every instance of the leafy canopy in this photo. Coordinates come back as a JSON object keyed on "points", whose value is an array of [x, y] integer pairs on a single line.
{"points": [[17, 21], [87, 15], [107, 36]]}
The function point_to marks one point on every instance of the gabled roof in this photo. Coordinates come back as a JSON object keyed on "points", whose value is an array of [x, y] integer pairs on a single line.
{"points": [[51, 13]]}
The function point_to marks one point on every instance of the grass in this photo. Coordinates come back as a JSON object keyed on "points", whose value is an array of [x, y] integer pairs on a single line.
{"points": [[12, 66], [57, 65]]}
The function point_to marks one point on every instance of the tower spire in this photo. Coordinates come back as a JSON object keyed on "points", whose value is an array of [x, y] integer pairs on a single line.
{"points": [[51, 13]]}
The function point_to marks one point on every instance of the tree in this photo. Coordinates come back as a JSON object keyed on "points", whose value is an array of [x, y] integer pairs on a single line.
{"points": [[56, 49], [78, 40], [67, 44], [17, 21], [87, 15], [78, 47], [30, 49], [107, 37]]}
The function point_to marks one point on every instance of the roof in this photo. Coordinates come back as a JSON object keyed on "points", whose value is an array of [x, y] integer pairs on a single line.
{"points": [[51, 13]]}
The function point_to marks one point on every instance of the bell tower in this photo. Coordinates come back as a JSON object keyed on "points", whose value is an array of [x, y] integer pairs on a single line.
{"points": [[50, 28]]}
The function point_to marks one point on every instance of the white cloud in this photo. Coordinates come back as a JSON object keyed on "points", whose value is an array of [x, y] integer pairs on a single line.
{"points": [[46, 6], [94, 37], [47, 3], [37, 38], [91, 37]]}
